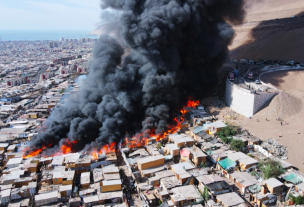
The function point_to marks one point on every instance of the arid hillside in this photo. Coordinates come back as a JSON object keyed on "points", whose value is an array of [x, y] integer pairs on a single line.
{"points": [[264, 35], [270, 40], [260, 10]]}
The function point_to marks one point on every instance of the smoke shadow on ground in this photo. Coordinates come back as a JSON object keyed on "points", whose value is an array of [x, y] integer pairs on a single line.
{"points": [[278, 39], [274, 78]]}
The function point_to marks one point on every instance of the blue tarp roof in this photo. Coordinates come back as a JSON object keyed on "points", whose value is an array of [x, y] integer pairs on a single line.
{"points": [[292, 178], [198, 129], [227, 163]]}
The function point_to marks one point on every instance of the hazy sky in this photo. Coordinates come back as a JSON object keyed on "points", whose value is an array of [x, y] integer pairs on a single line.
{"points": [[50, 14]]}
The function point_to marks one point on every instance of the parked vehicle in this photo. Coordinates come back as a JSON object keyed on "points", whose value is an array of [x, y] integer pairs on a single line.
{"points": [[231, 76], [250, 75]]}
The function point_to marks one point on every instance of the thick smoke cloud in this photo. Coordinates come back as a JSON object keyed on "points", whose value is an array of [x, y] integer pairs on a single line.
{"points": [[171, 50]]}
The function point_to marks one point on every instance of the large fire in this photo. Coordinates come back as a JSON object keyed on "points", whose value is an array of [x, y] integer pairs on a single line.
{"points": [[192, 103], [33, 153], [106, 149], [142, 139], [136, 141], [66, 147]]}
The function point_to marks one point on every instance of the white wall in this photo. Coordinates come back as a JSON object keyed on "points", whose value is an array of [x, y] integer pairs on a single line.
{"points": [[243, 102]]}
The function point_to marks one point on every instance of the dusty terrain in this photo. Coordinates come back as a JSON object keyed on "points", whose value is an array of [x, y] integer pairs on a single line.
{"points": [[288, 105], [264, 35], [260, 10], [269, 40]]}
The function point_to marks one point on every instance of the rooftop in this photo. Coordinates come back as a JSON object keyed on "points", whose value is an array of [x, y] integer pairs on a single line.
{"points": [[207, 179], [188, 191], [111, 182], [244, 178], [230, 199], [150, 159], [272, 182], [182, 166], [242, 158]]}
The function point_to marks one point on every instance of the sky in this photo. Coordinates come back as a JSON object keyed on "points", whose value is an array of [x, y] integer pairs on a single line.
{"points": [[50, 14]]}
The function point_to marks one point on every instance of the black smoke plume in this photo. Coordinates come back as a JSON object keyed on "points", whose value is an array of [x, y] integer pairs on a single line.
{"points": [[171, 50]]}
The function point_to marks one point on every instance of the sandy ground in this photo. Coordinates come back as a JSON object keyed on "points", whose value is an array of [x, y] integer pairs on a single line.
{"points": [[264, 35], [280, 40], [288, 105], [259, 10]]}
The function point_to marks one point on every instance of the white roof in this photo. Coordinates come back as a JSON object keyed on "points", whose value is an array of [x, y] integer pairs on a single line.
{"points": [[14, 161], [172, 146], [58, 174], [4, 144], [183, 140], [17, 171], [57, 160], [111, 182], [230, 199], [46, 196], [5, 193], [10, 176], [242, 158], [217, 124], [72, 157], [90, 199], [11, 147], [188, 191], [18, 122], [181, 166], [244, 178], [107, 170], [300, 186], [272, 182], [65, 187]]}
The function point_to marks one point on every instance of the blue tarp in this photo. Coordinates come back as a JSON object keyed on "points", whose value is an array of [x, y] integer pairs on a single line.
{"points": [[227, 163]]}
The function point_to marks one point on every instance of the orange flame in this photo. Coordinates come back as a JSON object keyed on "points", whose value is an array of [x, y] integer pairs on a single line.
{"points": [[66, 147], [137, 141], [94, 154], [183, 111], [106, 149], [192, 103], [33, 153], [143, 139]]}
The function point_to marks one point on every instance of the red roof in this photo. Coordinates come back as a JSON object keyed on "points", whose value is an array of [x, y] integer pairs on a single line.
{"points": [[185, 152]]}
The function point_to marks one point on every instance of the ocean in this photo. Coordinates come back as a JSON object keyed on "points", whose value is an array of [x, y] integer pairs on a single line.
{"points": [[15, 35]]}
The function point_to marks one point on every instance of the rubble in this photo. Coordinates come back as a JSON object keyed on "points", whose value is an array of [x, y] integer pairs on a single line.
{"points": [[275, 148]]}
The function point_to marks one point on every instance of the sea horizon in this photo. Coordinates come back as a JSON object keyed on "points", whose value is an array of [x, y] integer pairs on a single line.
{"points": [[33, 35]]}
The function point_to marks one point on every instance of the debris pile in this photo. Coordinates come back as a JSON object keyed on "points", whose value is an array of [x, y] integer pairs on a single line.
{"points": [[275, 148], [248, 135], [232, 115]]}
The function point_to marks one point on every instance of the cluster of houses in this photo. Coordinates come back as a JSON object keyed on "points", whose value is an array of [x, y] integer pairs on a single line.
{"points": [[75, 179], [195, 168], [189, 168]]}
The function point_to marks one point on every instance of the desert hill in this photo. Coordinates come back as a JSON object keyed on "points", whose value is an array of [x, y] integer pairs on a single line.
{"points": [[264, 35]]}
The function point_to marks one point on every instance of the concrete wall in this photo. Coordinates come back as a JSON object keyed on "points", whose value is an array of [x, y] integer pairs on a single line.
{"points": [[243, 102], [239, 100]]}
